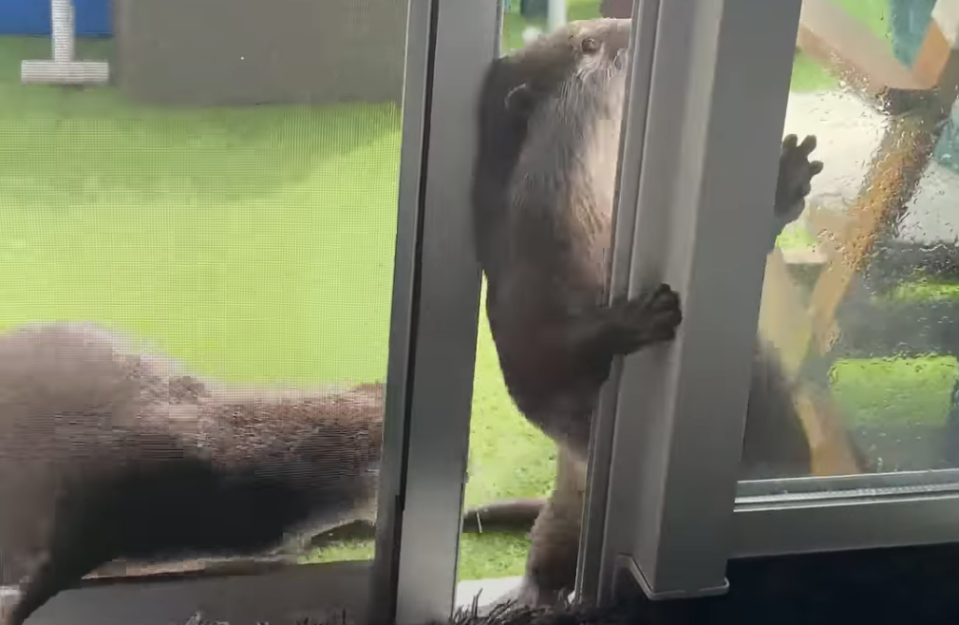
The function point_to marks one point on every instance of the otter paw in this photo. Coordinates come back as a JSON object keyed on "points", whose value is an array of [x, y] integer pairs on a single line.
{"points": [[796, 172], [651, 317]]}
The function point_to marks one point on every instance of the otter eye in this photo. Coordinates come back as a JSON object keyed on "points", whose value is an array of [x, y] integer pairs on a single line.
{"points": [[589, 45]]}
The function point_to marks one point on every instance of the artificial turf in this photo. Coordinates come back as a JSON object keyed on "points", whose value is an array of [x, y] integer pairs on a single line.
{"points": [[253, 244], [256, 245]]}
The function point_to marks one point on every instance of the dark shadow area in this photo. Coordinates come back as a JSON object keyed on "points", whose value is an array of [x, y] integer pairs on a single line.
{"points": [[910, 585]]}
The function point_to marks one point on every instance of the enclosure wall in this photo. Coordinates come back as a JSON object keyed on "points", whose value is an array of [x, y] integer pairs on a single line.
{"points": [[243, 52]]}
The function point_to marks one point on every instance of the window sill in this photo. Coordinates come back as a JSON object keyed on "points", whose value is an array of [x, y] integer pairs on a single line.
{"points": [[490, 590], [284, 596]]}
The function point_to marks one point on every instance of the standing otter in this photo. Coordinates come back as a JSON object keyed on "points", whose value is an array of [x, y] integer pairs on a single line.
{"points": [[543, 191]]}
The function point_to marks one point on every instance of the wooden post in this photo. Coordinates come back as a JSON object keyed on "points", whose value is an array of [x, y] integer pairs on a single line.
{"points": [[921, 98]]}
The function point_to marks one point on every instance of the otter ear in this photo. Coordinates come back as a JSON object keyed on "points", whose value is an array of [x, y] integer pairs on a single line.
{"points": [[519, 101]]}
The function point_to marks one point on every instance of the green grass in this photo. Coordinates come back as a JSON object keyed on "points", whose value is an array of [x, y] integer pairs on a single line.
{"points": [[894, 391], [256, 245], [809, 76]]}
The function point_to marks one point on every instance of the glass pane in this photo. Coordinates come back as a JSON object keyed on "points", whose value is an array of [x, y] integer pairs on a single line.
{"points": [[512, 463], [897, 24], [197, 281], [861, 290]]}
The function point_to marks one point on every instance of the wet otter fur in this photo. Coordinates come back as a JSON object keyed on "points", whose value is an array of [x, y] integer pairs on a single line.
{"points": [[120, 462], [108, 453], [543, 190]]}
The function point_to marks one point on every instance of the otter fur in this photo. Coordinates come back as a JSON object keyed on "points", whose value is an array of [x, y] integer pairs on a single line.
{"points": [[114, 460], [107, 453], [543, 191]]}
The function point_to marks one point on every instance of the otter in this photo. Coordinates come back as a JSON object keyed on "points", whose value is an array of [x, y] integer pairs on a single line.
{"points": [[548, 133], [113, 460], [109, 453]]}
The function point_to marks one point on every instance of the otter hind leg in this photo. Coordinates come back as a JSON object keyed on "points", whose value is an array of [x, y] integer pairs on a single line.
{"points": [[554, 549]]}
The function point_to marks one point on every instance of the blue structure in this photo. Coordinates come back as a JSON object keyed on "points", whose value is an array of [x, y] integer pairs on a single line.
{"points": [[910, 18], [32, 17]]}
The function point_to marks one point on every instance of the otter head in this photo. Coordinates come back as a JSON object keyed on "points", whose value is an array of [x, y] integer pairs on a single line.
{"points": [[574, 62]]}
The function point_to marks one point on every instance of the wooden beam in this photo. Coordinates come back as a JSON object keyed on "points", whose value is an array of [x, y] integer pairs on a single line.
{"points": [[835, 38], [844, 45], [785, 322], [829, 444], [784, 319], [894, 175]]}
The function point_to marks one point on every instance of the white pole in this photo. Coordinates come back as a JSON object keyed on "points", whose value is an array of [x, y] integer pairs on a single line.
{"points": [[62, 30], [556, 11], [62, 68]]}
